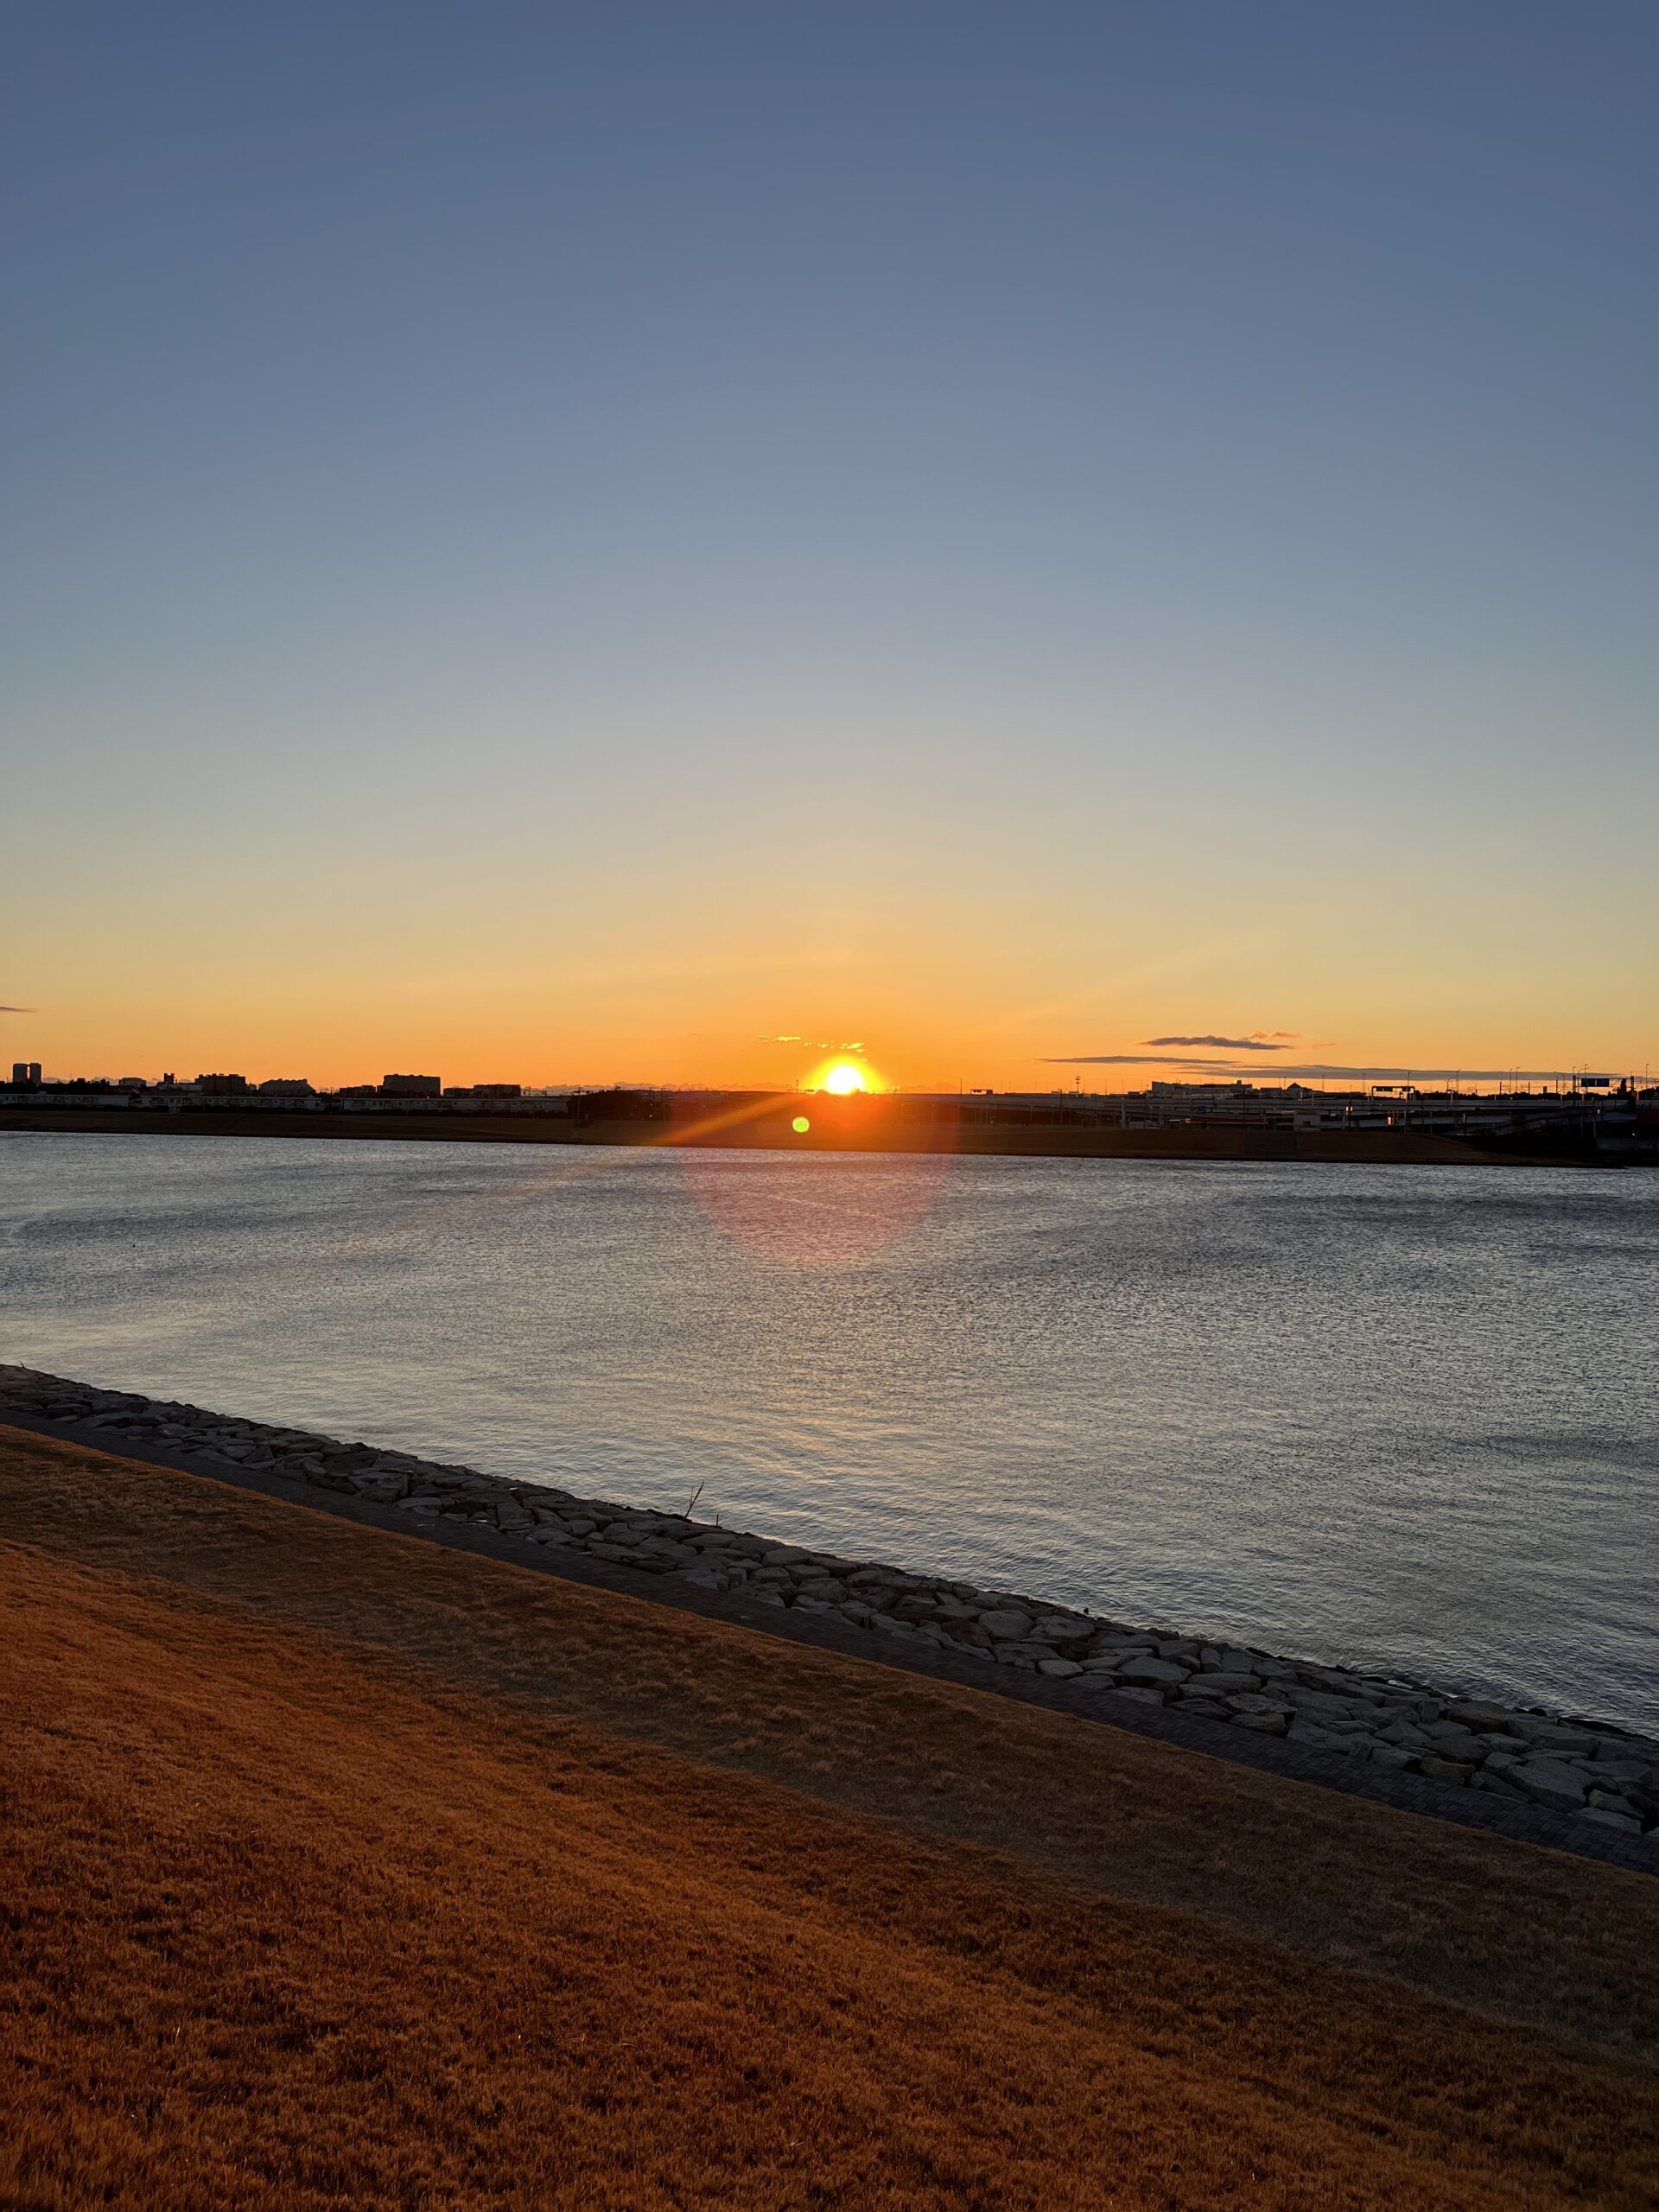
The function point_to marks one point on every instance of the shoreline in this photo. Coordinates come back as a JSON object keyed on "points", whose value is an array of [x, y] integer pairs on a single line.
{"points": [[1591, 1784]]}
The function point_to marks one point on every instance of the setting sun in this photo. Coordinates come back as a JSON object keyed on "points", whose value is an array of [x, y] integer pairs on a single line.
{"points": [[842, 1078]]}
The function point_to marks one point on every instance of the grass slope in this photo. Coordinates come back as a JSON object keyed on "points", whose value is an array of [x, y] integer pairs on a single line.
{"points": [[339, 1869]]}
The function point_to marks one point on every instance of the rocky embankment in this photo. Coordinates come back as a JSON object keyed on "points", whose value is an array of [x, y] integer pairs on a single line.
{"points": [[1584, 1768]]}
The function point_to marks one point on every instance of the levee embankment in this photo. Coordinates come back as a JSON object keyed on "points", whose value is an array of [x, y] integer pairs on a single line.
{"points": [[341, 1868]]}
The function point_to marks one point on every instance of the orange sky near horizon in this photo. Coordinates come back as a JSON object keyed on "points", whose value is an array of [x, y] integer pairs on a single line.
{"points": [[348, 990]]}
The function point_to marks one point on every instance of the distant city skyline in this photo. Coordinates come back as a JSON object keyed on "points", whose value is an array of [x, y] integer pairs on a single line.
{"points": [[1125, 1073], [594, 542]]}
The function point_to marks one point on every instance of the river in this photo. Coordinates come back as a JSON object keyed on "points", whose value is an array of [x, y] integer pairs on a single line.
{"points": [[1387, 1417]]}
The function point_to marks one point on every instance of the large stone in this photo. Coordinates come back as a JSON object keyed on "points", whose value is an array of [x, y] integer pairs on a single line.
{"points": [[382, 1489], [1439, 1769], [1610, 1801], [1003, 1626], [1058, 1666], [1547, 1782], [1304, 1731], [1552, 1735], [1449, 1734], [677, 1554], [969, 1635], [1260, 1723], [1149, 1673], [915, 1606], [1222, 1683], [1325, 1705], [1624, 1747], [1405, 1735], [1476, 1712], [1055, 1628], [1330, 1679]]}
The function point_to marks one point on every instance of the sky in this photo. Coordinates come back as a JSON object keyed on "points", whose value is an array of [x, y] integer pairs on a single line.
{"points": [[646, 543]]}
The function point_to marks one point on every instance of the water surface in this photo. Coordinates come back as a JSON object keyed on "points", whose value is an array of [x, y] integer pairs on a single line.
{"points": [[1388, 1416]]}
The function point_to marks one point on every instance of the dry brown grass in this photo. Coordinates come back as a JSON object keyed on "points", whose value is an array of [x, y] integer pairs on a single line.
{"points": [[341, 1870]]}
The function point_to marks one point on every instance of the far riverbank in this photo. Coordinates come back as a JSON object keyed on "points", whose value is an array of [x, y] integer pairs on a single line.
{"points": [[831, 1127]]}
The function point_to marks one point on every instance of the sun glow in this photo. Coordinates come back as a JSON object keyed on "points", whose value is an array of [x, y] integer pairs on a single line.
{"points": [[840, 1078]]}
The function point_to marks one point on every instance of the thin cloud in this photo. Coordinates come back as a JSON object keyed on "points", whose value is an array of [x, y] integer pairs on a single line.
{"points": [[1321, 1068], [16, 1009], [818, 1044], [1259, 1040]]}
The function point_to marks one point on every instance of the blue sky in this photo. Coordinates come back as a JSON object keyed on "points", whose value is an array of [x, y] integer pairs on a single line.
{"points": [[589, 535]]}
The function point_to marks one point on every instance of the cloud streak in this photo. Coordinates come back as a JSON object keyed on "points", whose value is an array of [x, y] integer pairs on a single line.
{"points": [[1368, 1074], [1259, 1040], [818, 1044]]}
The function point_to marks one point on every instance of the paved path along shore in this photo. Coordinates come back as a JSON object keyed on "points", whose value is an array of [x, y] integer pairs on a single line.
{"points": [[1581, 1783]]}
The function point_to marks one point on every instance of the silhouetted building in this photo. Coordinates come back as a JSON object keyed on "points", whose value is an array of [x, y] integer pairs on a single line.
{"points": [[222, 1086], [411, 1086], [286, 1086], [25, 1072]]}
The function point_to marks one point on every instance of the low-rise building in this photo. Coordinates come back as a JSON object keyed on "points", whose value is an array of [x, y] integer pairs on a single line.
{"points": [[411, 1086], [286, 1086]]}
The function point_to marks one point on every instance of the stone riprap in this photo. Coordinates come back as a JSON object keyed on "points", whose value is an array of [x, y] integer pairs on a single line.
{"points": [[1586, 1767]]}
